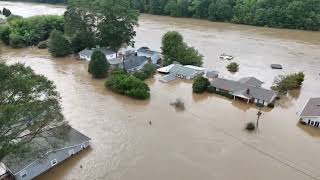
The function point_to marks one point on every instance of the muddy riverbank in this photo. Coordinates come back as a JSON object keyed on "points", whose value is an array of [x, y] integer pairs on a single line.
{"points": [[207, 140]]}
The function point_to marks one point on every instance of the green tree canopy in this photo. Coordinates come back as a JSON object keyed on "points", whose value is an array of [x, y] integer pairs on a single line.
{"points": [[174, 49], [29, 103], [200, 85], [111, 22], [98, 65], [58, 44], [233, 67], [283, 84]]}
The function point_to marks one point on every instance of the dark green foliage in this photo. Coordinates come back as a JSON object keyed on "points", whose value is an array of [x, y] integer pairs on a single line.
{"points": [[250, 126], [43, 45], [110, 22], [233, 67], [147, 71], [174, 49], [5, 34], [200, 85], [296, 14], [283, 84], [58, 45], [27, 102], [126, 84], [98, 65], [6, 12], [44, 1], [82, 40], [30, 31], [12, 18]]}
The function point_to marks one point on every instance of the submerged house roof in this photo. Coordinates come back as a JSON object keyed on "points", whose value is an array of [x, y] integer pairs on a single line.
{"points": [[312, 108], [244, 88], [114, 61], [146, 50], [251, 81], [48, 141], [183, 70], [134, 61], [89, 52]]}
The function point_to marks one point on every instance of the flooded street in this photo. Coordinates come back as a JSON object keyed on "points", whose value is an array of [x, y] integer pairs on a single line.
{"points": [[206, 141]]}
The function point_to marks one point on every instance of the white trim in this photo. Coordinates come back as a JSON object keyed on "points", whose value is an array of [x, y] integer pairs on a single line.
{"points": [[49, 153], [71, 152], [54, 162]]}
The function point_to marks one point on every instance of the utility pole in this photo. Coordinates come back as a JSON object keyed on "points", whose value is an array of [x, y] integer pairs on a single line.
{"points": [[258, 114]]}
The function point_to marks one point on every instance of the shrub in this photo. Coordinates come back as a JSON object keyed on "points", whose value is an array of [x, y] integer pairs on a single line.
{"points": [[178, 104], [283, 84], [5, 34], [250, 126], [271, 105], [43, 45], [98, 65], [58, 45], [200, 85], [212, 89], [233, 67], [129, 85], [147, 71], [6, 12]]}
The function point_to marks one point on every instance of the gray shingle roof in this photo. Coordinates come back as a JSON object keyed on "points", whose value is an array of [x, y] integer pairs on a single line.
{"points": [[251, 81], [147, 51], [88, 52], [184, 71], [131, 62], [312, 108], [53, 139], [239, 88], [115, 61]]}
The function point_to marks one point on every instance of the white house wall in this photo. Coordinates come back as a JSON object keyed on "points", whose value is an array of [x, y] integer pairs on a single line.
{"points": [[42, 165], [312, 121]]}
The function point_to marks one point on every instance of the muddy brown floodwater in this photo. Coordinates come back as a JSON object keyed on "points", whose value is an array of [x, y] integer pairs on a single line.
{"points": [[207, 140]]}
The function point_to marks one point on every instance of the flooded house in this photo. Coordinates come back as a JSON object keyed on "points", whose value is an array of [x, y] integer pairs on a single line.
{"points": [[134, 63], [248, 89], [310, 114], [87, 53], [154, 56], [50, 148], [185, 72]]}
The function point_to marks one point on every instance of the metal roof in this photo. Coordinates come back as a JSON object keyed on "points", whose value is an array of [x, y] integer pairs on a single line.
{"points": [[312, 108], [48, 141], [182, 70], [89, 52], [115, 61]]}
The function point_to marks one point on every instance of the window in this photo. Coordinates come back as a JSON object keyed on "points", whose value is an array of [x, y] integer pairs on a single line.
{"points": [[71, 152], [53, 162], [23, 174]]}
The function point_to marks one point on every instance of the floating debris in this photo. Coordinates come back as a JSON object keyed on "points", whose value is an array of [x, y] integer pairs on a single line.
{"points": [[276, 66]]}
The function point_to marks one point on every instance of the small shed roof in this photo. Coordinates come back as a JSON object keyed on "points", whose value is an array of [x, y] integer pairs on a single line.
{"points": [[146, 50], [312, 108], [48, 141], [182, 70]]}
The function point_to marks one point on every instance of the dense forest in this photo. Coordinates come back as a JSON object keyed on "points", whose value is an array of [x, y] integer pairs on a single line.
{"points": [[294, 14]]}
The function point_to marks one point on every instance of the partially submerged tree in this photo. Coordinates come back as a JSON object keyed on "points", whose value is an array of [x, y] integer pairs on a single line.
{"points": [[98, 65], [233, 67], [29, 104], [174, 49], [6, 12], [200, 85], [283, 84], [147, 71], [58, 44], [250, 126]]}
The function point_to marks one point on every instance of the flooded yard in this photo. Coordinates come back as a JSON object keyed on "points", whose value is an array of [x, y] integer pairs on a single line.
{"points": [[205, 141]]}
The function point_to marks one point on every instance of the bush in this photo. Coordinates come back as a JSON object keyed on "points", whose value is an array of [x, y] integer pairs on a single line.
{"points": [[31, 31], [5, 34], [271, 105], [6, 12], [250, 126], [126, 84], [147, 71], [200, 85], [283, 84], [43, 45], [58, 45], [178, 104], [212, 89], [98, 65], [233, 67]]}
